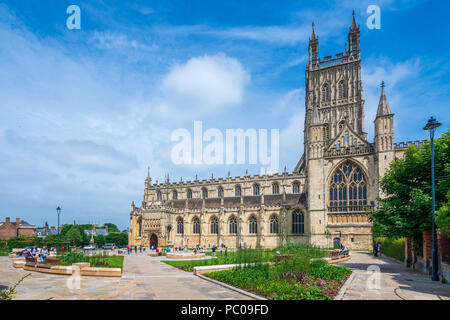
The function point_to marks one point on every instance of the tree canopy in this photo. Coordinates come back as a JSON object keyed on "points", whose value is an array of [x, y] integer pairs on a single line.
{"points": [[406, 207]]}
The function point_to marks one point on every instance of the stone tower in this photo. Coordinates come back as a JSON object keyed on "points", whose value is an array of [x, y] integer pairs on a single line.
{"points": [[334, 117], [384, 134]]}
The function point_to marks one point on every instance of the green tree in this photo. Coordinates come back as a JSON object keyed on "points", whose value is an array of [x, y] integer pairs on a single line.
{"points": [[73, 236], [405, 209], [443, 216]]}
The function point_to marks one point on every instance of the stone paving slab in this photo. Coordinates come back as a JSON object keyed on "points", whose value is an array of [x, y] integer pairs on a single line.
{"points": [[395, 281], [143, 278]]}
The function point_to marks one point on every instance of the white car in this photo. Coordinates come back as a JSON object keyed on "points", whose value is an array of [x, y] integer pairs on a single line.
{"points": [[90, 247]]}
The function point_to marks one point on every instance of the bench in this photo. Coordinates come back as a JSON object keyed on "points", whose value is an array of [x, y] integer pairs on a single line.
{"points": [[337, 254], [52, 260]]}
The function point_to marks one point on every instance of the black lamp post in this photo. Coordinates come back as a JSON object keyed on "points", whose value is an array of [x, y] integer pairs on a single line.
{"points": [[431, 126], [58, 211]]}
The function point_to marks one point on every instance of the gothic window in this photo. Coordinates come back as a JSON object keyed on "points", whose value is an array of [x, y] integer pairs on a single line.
{"points": [[296, 187], [159, 195], [338, 146], [256, 190], [233, 225], [196, 226], [274, 224], [180, 226], [275, 188], [175, 195], [342, 90], [253, 225], [326, 96], [214, 226], [220, 192], [189, 194], [348, 189], [205, 193], [298, 222], [237, 191]]}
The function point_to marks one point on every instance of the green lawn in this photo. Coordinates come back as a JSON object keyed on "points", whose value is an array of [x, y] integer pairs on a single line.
{"points": [[104, 261], [4, 252]]}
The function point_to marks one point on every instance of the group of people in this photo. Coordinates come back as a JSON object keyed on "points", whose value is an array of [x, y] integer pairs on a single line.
{"points": [[376, 249], [35, 251], [135, 248]]}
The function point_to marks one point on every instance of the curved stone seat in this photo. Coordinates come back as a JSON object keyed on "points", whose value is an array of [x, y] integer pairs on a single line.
{"points": [[101, 272], [187, 255]]}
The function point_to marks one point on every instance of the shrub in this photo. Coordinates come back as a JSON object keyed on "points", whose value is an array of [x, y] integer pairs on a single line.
{"points": [[394, 248]]}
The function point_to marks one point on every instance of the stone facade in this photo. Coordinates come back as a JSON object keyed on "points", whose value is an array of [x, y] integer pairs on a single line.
{"points": [[10, 229], [322, 202]]}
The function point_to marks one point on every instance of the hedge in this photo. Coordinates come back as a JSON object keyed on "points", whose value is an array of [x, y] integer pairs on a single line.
{"points": [[394, 248]]}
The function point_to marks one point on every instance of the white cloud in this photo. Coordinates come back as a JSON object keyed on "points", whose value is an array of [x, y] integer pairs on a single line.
{"points": [[205, 84]]}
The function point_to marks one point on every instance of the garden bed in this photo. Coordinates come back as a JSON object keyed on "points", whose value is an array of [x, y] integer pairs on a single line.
{"points": [[316, 281]]}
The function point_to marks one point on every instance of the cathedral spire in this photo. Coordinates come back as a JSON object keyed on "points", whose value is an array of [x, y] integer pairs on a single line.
{"points": [[313, 34], [354, 21], [383, 105]]}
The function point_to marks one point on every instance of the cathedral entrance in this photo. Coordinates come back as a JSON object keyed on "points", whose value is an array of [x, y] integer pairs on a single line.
{"points": [[153, 241]]}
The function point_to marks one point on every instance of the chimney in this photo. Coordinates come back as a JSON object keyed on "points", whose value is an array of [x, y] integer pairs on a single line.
{"points": [[7, 220], [95, 228], [106, 229], [60, 228], [45, 228], [53, 228], [17, 221]]}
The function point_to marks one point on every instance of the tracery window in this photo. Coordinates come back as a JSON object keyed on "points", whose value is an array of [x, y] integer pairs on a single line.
{"points": [[274, 224], [298, 222], [342, 90], [275, 188], [220, 192], [159, 195], [196, 226], [189, 194], [214, 226], [233, 225], [256, 190], [175, 195], [237, 191], [348, 189], [326, 96], [296, 187], [205, 193], [252, 225], [180, 226]]}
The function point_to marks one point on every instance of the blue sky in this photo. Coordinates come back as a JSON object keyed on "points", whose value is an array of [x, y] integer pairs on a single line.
{"points": [[84, 112]]}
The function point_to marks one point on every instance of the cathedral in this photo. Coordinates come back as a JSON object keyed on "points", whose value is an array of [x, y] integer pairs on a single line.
{"points": [[322, 202]]}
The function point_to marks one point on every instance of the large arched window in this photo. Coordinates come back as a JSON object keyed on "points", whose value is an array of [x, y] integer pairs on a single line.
{"points": [[220, 192], [233, 225], [342, 90], [275, 188], [256, 189], [348, 189], [252, 225], [214, 226], [180, 229], [205, 193], [175, 195], [189, 194], [273, 224], [196, 226], [298, 222], [326, 93], [237, 191]]}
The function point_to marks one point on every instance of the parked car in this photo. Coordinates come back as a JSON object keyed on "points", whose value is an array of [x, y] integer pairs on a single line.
{"points": [[90, 247], [109, 246]]}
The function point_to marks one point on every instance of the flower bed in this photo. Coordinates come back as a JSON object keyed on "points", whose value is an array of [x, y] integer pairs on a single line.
{"points": [[296, 280]]}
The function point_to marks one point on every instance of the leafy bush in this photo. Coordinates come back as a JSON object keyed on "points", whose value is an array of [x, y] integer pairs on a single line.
{"points": [[394, 248]]}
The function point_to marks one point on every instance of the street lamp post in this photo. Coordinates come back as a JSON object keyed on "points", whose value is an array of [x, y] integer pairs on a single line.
{"points": [[431, 126], [58, 211]]}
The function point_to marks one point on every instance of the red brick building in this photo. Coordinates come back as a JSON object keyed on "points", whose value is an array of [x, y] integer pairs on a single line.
{"points": [[15, 229]]}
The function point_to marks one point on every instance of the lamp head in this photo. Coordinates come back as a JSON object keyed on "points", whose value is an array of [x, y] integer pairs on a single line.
{"points": [[432, 124], [58, 210]]}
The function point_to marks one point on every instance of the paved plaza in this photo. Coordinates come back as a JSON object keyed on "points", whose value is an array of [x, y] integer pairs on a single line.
{"points": [[143, 277], [146, 277], [395, 282]]}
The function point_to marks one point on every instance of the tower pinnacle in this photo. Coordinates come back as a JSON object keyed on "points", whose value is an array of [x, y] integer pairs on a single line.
{"points": [[383, 105]]}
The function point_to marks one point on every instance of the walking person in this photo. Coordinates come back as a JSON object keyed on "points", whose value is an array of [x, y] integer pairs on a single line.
{"points": [[375, 249], [379, 249], [43, 254], [135, 249], [128, 249], [214, 250]]}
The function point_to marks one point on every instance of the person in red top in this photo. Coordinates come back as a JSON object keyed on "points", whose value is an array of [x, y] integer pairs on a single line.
{"points": [[128, 249], [62, 248]]}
